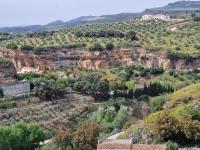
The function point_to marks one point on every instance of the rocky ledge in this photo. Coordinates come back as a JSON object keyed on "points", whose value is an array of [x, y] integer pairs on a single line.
{"points": [[27, 61]]}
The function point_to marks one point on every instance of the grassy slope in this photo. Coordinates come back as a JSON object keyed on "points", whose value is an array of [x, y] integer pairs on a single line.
{"points": [[179, 101]]}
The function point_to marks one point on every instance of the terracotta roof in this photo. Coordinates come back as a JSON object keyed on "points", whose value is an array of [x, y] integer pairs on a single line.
{"points": [[147, 147], [114, 146]]}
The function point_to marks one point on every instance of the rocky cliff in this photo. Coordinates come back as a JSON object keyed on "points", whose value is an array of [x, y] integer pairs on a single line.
{"points": [[26, 61], [7, 71]]}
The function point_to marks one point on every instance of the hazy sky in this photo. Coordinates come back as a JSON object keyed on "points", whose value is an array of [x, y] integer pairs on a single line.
{"points": [[29, 12]]}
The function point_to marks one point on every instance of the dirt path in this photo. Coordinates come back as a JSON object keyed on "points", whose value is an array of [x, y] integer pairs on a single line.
{"points": [[114, 136], [174, 27]]}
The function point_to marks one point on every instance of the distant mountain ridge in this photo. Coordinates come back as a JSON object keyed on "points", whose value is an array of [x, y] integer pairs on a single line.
{"points": [[179, 8], [56, 25]]}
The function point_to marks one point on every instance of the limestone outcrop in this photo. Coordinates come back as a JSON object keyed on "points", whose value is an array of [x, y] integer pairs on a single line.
{"points": [[54, 58], [7, 71]]}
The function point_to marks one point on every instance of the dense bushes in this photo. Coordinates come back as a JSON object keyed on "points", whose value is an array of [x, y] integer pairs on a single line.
{"points": [[154, 89], [109, 46], [110, 118], [171, 146], [74, 45], [92, 84], [1, 93], [27, 47], [12, 46], [166, 127], [84, 138], [21, 137], [95, 47], [100, 33], [197, 19], [38, 50], [157, 103], [46, 89], [194, 112], [131, 35], [177, 55]]}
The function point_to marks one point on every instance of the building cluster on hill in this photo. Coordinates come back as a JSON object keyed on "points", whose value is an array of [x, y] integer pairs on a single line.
{"points": [[155, 17]]}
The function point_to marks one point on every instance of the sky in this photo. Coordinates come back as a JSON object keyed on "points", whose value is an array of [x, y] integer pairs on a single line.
{"points": [[31, 12]]}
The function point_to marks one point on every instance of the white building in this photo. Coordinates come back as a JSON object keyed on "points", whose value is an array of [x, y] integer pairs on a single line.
{"points": [[156, 17]]}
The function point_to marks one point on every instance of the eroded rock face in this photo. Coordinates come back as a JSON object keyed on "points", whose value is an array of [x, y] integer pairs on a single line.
{"points": [[7, 72], [52, 59]]}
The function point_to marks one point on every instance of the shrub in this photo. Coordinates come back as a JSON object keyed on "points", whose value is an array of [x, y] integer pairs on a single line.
{"points": [[194, 112], [21, 137], [155, 70], [63, 139], [38, 50], [86, 136], [172, 72], [109, 46], [27, 47], [157, 103], [131, 35], [143, 98], [171, 146], [95, 47], [166, 127], [12, 46], [121, 118], [197, 19], [74, 45], [1, 93], [92, 84], [153, 89], [46, 89]]}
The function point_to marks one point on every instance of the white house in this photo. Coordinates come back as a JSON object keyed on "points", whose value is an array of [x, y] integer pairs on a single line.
{"points": [[156, 17]]}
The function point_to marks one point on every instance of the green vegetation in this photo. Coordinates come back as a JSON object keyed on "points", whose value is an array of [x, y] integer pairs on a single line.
{"points": [[152, 35], [166, 127], [77, 106], [110, 118], [12, 46], [92, 84], [46, 89], [85, 137], [158, 102], [21, 137], [171, 146]]}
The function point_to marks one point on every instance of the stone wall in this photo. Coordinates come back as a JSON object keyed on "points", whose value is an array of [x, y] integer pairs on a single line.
{"points": [[16, 89]]}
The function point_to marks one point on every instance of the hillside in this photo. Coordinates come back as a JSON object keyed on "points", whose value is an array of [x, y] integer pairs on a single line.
{"points": [[57, 25], [180, 8], [151, 35], [177, 9], [112, 81]]}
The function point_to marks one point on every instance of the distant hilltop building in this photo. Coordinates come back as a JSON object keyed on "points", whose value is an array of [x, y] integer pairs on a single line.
{"points": [[156, 17]]}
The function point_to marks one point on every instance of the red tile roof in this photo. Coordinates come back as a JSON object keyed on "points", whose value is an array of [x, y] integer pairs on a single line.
{"points": [[148, 147], [114, 146]]}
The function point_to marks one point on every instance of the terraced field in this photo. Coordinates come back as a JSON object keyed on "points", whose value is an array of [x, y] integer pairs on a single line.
{"points": [[52, 114]]}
